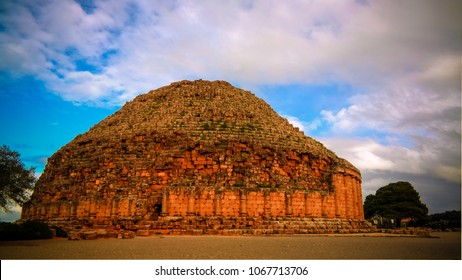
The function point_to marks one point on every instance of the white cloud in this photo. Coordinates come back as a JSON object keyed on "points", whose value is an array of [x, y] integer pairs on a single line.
{"points": [[370, 185], [398, 109], [306, 127], [156, 42], [295, 122], [84, 86], [369, 155], [422, 125]]}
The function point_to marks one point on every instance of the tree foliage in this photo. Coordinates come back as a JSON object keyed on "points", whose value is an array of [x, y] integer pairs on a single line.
{"points": [[448, 219], [395, 201], [16, 182], [26, 231]]}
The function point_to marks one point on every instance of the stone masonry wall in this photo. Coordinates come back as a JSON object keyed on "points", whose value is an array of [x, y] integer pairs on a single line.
{"points": [[258, 202], [343, 202]]}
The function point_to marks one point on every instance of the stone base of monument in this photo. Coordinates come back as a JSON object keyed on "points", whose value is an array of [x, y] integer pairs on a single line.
{"points": [[216, 226]]}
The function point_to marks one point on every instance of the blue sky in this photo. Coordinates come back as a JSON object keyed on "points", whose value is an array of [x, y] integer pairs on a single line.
{"points": [[378, 82]]}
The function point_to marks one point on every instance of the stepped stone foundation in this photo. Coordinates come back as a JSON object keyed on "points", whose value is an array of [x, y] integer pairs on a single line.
{"points": [[197, 158]]}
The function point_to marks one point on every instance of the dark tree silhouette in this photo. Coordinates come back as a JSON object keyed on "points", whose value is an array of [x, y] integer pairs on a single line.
{"points": [[395, 201], [16, 182]]}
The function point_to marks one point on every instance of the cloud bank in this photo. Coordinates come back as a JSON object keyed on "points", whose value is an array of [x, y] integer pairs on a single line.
{"points": [[108, 51]]}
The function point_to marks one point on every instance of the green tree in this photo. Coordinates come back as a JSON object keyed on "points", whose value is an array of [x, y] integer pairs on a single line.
{"points": [[16, 182], [395, 201], [448, 219]]}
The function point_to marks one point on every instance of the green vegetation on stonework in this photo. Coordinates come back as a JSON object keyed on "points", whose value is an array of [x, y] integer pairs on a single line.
{"points": [[264, 186]]}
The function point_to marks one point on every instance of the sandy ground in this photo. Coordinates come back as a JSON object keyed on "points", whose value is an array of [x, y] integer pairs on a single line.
{"points": [[443, 246]]}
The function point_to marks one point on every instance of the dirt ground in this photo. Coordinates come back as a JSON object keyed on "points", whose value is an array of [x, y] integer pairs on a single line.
{"points": [[442, 246]]}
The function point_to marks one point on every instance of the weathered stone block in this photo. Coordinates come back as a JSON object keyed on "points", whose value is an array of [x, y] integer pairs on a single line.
{"points": [[75, 235], [90, 235], [142, 232], [128, 234]]}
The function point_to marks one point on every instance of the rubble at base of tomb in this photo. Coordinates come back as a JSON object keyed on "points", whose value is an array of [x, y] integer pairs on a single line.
{"points": [[217, 226], [196, 157]]}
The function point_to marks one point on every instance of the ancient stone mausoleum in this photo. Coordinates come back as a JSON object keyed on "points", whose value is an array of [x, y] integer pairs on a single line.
{"points": [[197, 157]]}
